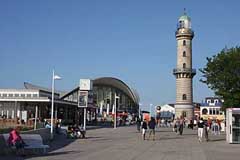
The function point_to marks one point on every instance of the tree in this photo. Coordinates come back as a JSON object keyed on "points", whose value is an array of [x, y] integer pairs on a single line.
{"points": [[222, 75]]}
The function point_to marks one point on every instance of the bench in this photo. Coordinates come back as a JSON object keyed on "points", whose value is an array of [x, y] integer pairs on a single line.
{"points": [[33, 141]]}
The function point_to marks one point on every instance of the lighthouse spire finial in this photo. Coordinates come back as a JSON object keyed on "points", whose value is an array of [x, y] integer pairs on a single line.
{"points": [[184, 11]]}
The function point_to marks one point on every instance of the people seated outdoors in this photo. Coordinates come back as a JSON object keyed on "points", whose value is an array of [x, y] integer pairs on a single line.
{"points": [[16, 140], [46, 124], [75, 132], [58, 127]]}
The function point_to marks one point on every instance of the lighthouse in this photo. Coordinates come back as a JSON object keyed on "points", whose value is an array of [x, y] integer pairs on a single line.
{"points": [[184, 72]]}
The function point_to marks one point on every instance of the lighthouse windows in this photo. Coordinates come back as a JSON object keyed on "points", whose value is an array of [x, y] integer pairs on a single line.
{"points": [[184, 97], [184, 65], [184, 43], [184, 53]]}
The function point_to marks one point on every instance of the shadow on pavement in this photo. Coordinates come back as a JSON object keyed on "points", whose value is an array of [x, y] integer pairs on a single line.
{"points": [[53, 154], [216, 140], [59, 141]]}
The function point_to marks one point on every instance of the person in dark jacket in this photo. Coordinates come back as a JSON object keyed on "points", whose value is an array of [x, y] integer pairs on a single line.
{"points": [[144, 128], [152, 124], [138, 124], [181, 123]]}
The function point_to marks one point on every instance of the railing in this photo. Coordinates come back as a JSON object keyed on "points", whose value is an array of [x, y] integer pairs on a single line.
{"points": [[211, 105], [184, 31], [184, 70], [4, 97]]}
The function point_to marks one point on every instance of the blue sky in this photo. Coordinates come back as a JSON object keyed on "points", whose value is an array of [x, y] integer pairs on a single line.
{"points": [[130, 40]]}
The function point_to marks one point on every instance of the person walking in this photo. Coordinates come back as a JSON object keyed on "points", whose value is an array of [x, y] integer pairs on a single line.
{"points": [[200, 129], [206, 129], [152, 125], [175, 125], [181, 123], [144, 128], [138, 124]]}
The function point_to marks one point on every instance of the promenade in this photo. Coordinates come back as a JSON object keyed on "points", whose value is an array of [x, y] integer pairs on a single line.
{"points": [[124, 143]]}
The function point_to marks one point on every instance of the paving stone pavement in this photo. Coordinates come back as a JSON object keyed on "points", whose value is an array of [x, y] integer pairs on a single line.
{"points": [[124, 143]]}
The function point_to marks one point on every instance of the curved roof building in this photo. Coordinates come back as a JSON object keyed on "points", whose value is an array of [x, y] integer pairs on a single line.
{"points": [[104, 91]]}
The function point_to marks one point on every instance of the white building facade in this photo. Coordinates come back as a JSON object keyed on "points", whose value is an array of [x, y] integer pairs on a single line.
{"points": [[211, 109]]}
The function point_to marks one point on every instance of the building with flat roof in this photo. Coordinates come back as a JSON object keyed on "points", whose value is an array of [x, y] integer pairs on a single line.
{"points": [[22, 103]]}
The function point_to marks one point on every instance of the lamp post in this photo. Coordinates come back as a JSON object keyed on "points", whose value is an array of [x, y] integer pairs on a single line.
{"points": [[139, 111], [115, 110], [150, 109], [54, 77]]}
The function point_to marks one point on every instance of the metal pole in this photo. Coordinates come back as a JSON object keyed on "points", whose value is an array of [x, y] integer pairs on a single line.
{"points": [[115, 112], [35, 121], [52, 105], [56, 110], [84, 118], [150, 108], [139, 111], [115, 116], [85, 114]]}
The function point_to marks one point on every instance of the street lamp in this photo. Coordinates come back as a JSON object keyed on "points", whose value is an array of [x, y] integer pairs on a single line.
{"points": [[115, 110], [54, 77], [150, 108], [139, 111]]}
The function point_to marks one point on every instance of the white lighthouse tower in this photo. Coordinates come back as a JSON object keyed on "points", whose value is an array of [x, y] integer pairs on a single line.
{"points": [[183, 71]]}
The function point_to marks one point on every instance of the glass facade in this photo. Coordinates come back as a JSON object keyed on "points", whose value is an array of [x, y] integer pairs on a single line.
{"points": [[104, 96], [104, 99]]}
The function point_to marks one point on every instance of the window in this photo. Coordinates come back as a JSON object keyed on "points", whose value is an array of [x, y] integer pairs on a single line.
{"points": [[210, 111], [184, 53], [214, 111], [16, 95], [184, 114], [4, 95], [10, 95], [181, 24], [35, 95], [22, 95], [184, 43], [184, 65], [204, 111], [28, 95], [184, 97]]}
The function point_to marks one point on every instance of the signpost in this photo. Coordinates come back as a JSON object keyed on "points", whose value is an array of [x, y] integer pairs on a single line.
{"points": [[84, 87]]}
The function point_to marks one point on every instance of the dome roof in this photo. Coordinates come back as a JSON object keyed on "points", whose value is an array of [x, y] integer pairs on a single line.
{"points": [[184, 18]]}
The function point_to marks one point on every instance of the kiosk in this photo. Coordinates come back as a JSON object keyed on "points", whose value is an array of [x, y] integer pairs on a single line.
{"points": [[233, 125]]}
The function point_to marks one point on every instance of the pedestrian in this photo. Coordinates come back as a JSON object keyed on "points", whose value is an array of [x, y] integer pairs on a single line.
{"points": [[138, 124], [152, 125], [206, 129], [191, 124], [181, 123], [144, 128], [200, 129], [175, 125], [57, 127]]}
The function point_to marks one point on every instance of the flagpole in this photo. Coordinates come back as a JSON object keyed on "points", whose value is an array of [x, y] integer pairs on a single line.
{"points": [[115, 112], [52, 105]]}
